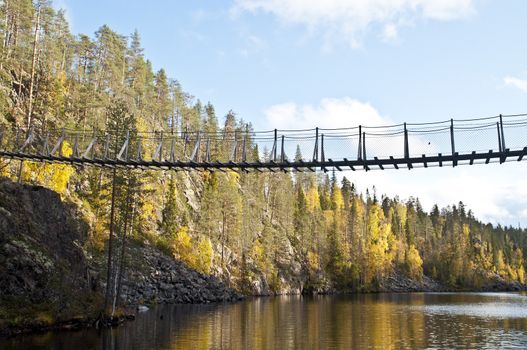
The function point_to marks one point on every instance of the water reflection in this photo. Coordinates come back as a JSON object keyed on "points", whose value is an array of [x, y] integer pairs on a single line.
{"points": [[380, 321]]}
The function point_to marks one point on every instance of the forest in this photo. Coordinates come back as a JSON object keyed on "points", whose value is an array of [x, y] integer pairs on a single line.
{"points": [[259, 232]]}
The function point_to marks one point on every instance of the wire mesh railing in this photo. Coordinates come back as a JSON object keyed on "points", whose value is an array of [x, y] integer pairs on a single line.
{"points": [[454, 141]]}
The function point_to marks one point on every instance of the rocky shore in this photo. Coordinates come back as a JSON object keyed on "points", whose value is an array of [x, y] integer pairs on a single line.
{"points": [[155, 277], [48, 280]]}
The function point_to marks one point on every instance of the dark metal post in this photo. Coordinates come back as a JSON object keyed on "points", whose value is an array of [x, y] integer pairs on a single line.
{"points": [[207, 152], [275, 144], [503, 148], [359, 151], [406, 150], [244, 143], [282, 153], [315, 150], [452, 143], [322, 155], [500, 145]]}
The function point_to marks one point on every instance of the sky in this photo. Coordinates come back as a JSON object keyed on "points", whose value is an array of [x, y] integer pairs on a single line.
{"points": [[333, 63]]}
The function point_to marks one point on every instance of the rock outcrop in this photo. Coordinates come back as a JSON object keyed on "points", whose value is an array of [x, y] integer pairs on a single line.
{"points": [[46, 276], [155, 277]]}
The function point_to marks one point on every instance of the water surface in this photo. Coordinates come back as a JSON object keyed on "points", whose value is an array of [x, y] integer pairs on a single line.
{"points": [[371, 321]]}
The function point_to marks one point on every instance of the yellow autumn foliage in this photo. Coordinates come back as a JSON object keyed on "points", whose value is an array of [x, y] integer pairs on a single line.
{"points": [[53, 176], [182, 247], [414, 263], [313, 261], [204, 255]]}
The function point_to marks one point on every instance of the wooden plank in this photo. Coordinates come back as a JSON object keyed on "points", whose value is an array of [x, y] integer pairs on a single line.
{"points": [[336, 166], [488, 157], [472, 157], [394, 163], [524, 152], [378, 163], [505, 154], [350, 165]]}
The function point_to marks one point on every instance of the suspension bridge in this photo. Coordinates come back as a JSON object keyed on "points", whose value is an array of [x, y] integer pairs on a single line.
{"points": [[452, 142]]}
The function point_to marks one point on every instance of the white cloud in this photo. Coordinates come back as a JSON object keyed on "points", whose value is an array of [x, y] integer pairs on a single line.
{"points": [[390, 32], [351, 18], [495, 193], [516, 82], [330, 113]]}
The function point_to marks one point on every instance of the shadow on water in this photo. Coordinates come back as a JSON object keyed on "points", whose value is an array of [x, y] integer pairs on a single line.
{"points": [[375, 321]]}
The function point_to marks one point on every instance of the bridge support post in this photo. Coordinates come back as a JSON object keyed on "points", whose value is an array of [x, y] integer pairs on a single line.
{"points": [[159, 151], [45, 147], [500, 144], [359, 151], [124, 148], [88, 149], [244, 146], [75, 153], [234, 154], [58, 145], [364, 151], [172, 157], [207, 151], [282, 151], [503, 148], [407, 148], [195, 152], [452, 143], [275, 144], [315, 150]]}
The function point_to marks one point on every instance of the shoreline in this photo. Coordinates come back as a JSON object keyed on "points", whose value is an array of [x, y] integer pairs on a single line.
{"points": [[130, 312]]}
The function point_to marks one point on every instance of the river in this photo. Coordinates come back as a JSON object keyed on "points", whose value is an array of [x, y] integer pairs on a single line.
{"points": [[372, 321]]}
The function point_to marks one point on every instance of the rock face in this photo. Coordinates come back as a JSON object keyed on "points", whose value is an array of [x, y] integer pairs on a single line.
{"points": [[155, 277], [46, 276], [43, 269], [398, 282], [39, 243]]}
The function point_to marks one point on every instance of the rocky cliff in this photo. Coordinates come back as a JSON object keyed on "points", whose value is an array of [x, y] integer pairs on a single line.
{"points": [[47, 277]]}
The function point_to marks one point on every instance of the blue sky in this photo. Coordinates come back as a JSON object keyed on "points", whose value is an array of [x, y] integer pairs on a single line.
{"points": [[296, 63]]}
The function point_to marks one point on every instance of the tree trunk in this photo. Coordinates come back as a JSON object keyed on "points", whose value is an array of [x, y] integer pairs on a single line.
{"points": [[33, 66], [110, 246], [123, 247]]}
